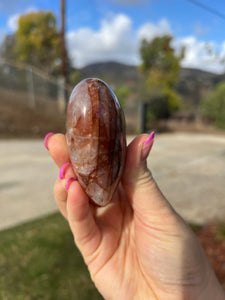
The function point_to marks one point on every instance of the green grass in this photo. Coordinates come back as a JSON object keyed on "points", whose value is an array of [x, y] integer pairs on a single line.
{"points": [[220, 234], [39, 260], [195, 227]]}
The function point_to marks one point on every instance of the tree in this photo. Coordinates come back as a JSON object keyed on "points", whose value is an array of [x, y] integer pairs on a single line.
{"points": [[122, 94], [160, 66], [37, 40], [213, 106]]}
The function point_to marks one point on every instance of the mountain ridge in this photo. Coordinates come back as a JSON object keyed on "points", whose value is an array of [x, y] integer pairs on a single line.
{"points": [[193, 84]]}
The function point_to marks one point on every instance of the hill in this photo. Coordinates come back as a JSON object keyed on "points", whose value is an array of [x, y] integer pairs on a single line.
{"points": [[115, 74], [193, 84]]}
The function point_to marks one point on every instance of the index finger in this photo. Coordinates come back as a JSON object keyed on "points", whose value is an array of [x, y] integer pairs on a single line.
{"points": [[58, 149]]}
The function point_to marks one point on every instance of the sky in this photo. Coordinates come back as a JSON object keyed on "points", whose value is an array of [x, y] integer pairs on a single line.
{"points": [[112, 30]]}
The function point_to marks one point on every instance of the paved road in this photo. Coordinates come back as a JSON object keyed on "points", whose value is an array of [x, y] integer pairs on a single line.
{"points": [[190, 169]]}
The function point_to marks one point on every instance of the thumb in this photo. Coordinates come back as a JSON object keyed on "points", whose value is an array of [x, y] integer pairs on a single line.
{"points": [[143, 192]]}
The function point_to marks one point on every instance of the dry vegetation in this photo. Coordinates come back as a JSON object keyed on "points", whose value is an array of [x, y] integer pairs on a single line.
{"points": [[18, 120]]}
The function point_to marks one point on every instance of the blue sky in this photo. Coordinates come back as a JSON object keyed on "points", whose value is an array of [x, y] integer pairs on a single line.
{"points": [[112, 29]]}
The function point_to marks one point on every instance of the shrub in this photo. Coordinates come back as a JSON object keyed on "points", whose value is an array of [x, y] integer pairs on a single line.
{"points": [[213, 106]]}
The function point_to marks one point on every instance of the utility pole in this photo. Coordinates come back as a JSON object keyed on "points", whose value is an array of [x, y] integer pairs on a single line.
{"points": [[62, 91], [63, 44]]}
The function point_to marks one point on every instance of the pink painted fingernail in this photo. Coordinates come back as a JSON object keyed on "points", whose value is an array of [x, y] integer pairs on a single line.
{"points": [[150, 138], [147, 146], [62, 170], [68, 182], [46, 139]]}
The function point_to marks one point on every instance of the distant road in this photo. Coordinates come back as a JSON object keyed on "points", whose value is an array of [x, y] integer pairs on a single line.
{"points": [[189, 168]]}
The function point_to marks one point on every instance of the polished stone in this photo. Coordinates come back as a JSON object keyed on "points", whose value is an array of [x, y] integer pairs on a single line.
{"points": [[96, 138]]}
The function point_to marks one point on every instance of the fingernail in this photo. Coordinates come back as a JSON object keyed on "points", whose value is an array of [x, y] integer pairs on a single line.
{"points": [[62, 170], [150, 138], [147, 146], [69, 181], [46, 139]]}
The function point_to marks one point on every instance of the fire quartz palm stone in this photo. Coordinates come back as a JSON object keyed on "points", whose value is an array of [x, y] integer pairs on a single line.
{"points": [[96, 138]]}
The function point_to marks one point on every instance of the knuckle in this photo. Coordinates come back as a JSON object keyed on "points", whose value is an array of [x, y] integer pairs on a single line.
{"points": [[145, 179], [59, 190]]}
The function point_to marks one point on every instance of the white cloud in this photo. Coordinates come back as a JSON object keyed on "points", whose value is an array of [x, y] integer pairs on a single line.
{"points": [[12, 22], [150, 30], [115, 40], [223, 49], [197, 55]]}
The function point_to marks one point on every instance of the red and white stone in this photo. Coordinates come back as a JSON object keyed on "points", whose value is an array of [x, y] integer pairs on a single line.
{"points": [[96, 138]]}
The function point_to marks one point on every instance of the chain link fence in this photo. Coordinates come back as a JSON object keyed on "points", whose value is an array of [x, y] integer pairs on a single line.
{"points": [[27, 90], [27, 85]]}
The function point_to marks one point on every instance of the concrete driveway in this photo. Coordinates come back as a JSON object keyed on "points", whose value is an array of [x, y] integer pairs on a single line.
{"points": [[189, 168]]}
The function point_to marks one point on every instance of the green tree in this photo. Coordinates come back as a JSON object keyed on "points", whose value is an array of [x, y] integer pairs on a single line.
{"points": [[37, 40], [160, 66], [74, 76], [122, 93], [213, 106]]}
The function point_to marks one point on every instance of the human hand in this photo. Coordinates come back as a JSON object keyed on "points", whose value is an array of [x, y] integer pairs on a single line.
{"points": [[137, 247]]}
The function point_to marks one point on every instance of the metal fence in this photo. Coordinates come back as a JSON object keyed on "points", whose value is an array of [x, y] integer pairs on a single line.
{"points": [[31, 86], [26, 85]]}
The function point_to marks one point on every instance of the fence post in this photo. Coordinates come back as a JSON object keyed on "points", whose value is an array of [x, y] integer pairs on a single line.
{"points": [[61, 100], [142, 116], [30, 77]]}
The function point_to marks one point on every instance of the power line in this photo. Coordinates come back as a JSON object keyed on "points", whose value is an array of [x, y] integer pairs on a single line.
{"points": [[208, 8]]}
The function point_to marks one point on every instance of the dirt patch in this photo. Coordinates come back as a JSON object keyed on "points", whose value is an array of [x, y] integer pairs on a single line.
{"points": [[212, 240], [18, 120]]}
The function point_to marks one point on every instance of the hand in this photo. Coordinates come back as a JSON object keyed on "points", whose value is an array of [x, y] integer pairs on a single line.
{"points": [[137, 247]]}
